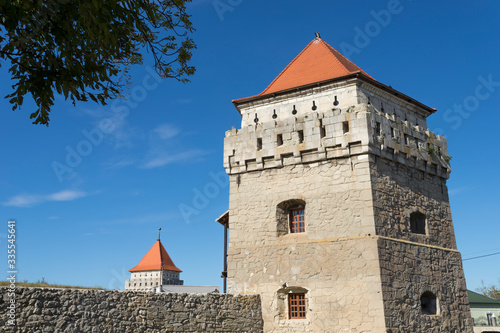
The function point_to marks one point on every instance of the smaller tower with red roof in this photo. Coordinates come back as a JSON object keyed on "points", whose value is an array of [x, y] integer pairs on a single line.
{"points": [[156, 268]]}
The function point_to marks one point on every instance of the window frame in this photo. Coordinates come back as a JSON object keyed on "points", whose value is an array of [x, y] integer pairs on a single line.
{"points": [[418, 223], [296, 225], [296, 310]]}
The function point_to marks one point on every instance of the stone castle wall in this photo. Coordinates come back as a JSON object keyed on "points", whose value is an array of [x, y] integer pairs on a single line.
{"points": [[411, 263], [335, 261], [74, 311], [340, 277], [337, 197], [398, 191], [410, 269]]}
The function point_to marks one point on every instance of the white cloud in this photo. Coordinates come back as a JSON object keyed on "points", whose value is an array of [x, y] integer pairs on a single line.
{"points": [[28, 200], [122, 133], [66, 195], [160, 148], [166, 131], [118, 163], [23, 200], [162, 159]]}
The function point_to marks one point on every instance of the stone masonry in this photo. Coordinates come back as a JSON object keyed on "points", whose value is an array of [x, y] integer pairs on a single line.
{"points": [[74, 310], [359, 158]]}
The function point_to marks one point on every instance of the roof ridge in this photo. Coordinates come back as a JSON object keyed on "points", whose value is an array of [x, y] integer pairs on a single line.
{"points": [[288, 66], [331, 49], [337, 55], [161, 254]]}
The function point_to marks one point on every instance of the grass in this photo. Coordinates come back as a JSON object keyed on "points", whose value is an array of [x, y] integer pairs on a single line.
{"points": [[43, 284]]}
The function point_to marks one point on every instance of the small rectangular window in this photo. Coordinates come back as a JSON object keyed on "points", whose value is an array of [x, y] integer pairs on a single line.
{"points": [[429, 304], [417, 223], [297, 221], [279, 139], [345, 127], [392, 132], [378, 130], [297, 306], [322, 130], [301, 136], [259, 143]]}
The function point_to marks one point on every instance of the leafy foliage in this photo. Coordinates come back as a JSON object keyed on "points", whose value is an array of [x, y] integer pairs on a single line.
{"points": [[491, 291], [83, 49]]}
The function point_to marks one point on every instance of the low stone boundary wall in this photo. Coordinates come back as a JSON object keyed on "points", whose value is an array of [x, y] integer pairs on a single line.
{"points": [[97, 311], [486, 329]]}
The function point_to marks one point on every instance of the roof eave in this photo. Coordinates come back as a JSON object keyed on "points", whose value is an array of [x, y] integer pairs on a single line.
{"points": [[224, 219], [148, 270], [238, 102], [396, 93]]}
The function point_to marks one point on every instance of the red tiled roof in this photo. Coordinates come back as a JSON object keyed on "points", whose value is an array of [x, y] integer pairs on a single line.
{"points": [[317, 62], [156, 259]]}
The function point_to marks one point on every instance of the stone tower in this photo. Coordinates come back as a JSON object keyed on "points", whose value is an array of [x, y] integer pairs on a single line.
{"points": [[155, 269], [339, 214]]}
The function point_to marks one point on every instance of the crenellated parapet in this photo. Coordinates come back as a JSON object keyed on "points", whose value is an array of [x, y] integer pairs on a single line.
{"points": [[408, 143], [336, 133]]}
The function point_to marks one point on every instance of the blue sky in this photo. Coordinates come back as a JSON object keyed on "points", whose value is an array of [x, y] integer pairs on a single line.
{"points": [[147, 159]]}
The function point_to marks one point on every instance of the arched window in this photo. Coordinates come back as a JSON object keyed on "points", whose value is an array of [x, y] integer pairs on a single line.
{"points": [[290, 216], [417, 223], [429, 303]]}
